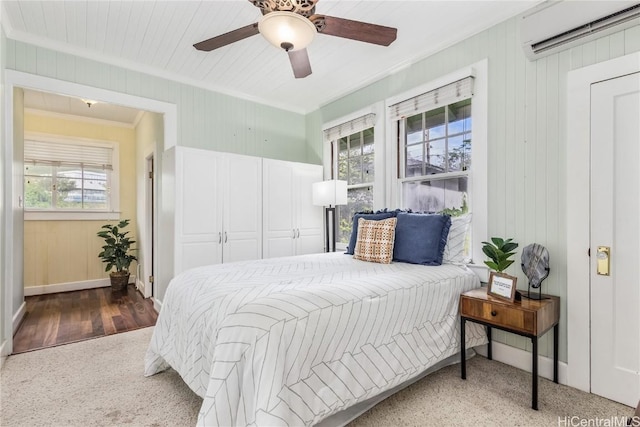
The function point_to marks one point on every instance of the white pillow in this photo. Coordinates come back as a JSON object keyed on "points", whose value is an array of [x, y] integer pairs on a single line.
{"points": [[457, 247]]}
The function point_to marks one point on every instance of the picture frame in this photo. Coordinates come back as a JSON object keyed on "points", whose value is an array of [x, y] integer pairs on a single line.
{"points": [[502, 286]]}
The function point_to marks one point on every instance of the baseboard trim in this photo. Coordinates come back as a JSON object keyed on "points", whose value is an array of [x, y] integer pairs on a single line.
{"points": [[70, 286], [157, 304], [521, 359], [4, 352], [140, 286], [17, 318]]}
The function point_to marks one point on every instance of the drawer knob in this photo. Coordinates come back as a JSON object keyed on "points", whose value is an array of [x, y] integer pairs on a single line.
{"points": [[493, 313]]}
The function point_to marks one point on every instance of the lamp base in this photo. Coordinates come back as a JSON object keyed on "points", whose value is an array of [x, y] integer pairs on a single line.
{"points": [[327, 211]]}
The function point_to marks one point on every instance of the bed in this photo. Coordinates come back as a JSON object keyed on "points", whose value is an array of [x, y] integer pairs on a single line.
{"points": [[296, 340]]}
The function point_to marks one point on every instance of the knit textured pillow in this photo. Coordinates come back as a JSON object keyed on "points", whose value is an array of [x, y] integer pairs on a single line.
{"points": [[457, 249], [375, 240]]}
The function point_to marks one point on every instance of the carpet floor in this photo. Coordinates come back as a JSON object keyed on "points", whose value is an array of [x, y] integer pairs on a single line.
{"points": [[99, 382]]}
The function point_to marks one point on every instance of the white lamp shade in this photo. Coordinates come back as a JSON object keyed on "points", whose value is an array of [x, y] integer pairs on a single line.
{"points": [[283, 28], [329, 193]]}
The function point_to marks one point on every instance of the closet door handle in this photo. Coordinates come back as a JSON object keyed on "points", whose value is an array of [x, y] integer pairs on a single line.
{"points": [[219, 237], [297, 233], [225, 237], [294, 234]]}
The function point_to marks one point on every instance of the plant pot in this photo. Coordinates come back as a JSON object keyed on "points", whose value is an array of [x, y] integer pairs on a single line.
{"points": [[119, 280]]}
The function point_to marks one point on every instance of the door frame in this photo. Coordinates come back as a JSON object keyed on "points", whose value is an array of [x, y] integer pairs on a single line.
{"points": [[17, 79], [578, 202], [151, 220]]}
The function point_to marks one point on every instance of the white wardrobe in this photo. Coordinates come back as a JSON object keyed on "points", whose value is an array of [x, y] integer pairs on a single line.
{"points": [[222, 207], [292, 224]]}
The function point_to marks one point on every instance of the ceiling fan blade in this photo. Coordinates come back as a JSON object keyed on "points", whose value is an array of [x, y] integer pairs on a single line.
{"points": [[300, 63], [357, 30], [227, 38]]}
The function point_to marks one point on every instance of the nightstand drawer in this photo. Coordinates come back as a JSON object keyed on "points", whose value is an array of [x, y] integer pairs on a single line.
{"points": [[499, 315]]}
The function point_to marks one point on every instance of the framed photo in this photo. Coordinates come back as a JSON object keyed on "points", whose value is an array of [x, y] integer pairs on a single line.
{"points": [[502, 286]]}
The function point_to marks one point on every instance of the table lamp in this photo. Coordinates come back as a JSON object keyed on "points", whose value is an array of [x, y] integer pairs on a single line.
{"points": [[330, 194]]}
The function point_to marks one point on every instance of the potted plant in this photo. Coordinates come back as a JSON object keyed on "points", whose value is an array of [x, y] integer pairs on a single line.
{"points": [[115, 253], [499, 250], [501, 285]]}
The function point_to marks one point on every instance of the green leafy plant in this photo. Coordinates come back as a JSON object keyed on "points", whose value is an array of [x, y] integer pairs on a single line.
{"points": [[457, 211], [499, 250], [115, 252]]}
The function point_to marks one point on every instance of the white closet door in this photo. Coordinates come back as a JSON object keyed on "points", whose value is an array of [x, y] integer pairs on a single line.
{"points": [[242, 222], [615, 224], [278, 209], [309, 224], [198, 209]]}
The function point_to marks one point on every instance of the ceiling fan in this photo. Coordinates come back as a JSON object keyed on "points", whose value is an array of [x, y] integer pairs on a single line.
{"points": [[292, 25]]}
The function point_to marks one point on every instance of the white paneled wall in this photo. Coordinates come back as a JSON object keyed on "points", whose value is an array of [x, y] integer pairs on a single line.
{"points": [[526, 138], [206, 119]]}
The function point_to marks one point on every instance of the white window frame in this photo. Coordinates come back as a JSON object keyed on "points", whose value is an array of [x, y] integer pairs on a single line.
{"points": [[379, 186], [113, 213], [477, 194], [428, 178]]}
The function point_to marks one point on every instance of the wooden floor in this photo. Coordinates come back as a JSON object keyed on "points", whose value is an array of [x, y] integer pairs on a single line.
{"points": [[67, 317]]}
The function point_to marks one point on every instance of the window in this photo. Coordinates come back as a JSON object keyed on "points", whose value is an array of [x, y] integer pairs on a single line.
{"points": [[69, 176], [352, 145], [435, 148], [356, 166]]}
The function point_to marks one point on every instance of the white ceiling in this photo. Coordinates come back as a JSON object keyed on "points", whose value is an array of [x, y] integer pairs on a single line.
{"points": [[157, 37], [50, 102]]}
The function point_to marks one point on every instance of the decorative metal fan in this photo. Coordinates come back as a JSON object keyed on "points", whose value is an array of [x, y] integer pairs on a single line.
{"points": [[292, 24], [535, 264]]}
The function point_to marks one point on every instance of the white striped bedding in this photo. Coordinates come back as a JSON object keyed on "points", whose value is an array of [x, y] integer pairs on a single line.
{"points": [[290, 341]]}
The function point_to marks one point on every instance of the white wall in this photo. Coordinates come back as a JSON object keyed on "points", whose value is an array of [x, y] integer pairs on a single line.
{"points": [[526, 139]]}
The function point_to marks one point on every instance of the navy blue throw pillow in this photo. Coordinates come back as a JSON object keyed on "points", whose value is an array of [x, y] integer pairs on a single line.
{"points": [[421, 238], [370, 216]]}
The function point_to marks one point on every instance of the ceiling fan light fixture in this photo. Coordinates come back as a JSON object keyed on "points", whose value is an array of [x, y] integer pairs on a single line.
{"points": [[287, 30]]}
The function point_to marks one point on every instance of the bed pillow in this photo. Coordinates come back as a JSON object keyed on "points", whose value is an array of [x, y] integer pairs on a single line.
{"points": [[375, 240], [369, 216], [456, 250], [421, 238]]}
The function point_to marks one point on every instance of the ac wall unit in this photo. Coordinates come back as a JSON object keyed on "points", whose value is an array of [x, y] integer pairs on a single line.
{"points": [[559, 25]]}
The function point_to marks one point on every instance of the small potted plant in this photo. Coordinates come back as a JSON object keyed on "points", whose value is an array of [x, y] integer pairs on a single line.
{"points": [[499, 251], [115, 253]]}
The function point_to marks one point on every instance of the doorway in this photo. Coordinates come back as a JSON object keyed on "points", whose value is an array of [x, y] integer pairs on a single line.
{"points": [[603, 229], [11, 287]]}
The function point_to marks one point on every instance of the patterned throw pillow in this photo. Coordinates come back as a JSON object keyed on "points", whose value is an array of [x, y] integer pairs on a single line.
{"points": [[457, 249], [375, 240], [370, 216]]}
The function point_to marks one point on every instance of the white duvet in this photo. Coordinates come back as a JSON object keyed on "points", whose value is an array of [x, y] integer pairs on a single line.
{"points": [[290, 341]]}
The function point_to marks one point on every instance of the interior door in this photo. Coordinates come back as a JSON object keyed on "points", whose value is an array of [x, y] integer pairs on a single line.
{"points": [[615, 239]]}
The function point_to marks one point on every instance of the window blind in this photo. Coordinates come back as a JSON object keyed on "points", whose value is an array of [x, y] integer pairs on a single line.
{"points": [[350, 127], [453, 92], [68, 154]]}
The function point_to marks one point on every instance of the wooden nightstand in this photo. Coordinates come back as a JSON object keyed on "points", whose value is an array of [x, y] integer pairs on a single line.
{"points": [[528, 318]]}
